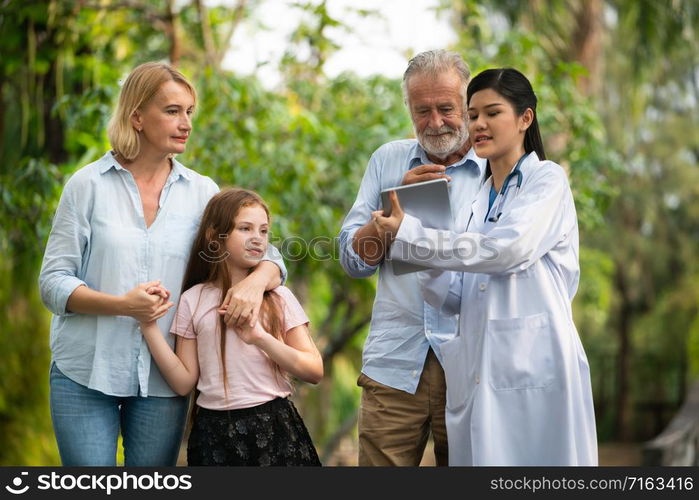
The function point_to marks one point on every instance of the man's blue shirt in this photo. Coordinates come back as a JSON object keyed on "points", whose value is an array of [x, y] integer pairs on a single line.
{"points": [[403, 326]]}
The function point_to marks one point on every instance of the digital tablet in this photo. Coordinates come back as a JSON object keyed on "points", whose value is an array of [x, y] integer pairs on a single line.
{"points": [[429, 202]]}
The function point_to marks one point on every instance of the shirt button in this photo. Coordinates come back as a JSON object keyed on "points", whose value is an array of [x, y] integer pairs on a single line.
{"points": [[478, 380], [482, 287], [428, 332], [414, 373]]}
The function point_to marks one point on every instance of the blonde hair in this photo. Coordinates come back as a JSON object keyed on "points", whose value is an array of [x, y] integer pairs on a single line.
{"points": [[139, 88]]}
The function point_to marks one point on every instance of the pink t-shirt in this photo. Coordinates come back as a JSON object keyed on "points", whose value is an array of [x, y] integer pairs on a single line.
{"points": [[251, 378]]}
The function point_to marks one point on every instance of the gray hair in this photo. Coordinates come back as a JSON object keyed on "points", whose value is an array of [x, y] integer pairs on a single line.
{"points": [[436, 62]]}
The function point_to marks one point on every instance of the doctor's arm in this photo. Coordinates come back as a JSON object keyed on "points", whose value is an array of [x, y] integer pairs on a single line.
{"points": [[369, 242], [535, 221], [441, 289]]}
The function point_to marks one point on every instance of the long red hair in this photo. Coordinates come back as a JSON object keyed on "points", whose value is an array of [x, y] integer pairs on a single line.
{"points": [[208, 261]]}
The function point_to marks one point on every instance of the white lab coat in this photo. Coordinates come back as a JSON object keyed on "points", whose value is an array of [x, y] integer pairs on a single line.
{"points": [[518, 380]]}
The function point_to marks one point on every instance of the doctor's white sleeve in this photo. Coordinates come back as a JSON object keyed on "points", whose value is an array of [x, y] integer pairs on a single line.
{"points": [[534, 222], [441, 290]]}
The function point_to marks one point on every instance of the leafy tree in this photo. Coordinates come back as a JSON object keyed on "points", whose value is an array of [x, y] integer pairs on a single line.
{"points": [[618, 90]]}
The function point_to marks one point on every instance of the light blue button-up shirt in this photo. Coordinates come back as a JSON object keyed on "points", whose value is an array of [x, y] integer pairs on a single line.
{"points": [[403, 325], [99, 238]]}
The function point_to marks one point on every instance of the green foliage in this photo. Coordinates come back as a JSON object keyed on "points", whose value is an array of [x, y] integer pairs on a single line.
{"points": [[25, 420], [304, 147], [693, 349]]}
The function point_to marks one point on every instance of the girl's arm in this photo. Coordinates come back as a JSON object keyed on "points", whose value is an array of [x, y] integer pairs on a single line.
{"points": [[181, 370], [297, 355]]}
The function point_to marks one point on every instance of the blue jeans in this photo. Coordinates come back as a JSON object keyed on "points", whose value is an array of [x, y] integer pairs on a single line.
{"points": [[87, 423]]}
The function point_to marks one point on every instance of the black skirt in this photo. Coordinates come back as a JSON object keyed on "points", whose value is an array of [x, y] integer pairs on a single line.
{"points": [[265, 435]]}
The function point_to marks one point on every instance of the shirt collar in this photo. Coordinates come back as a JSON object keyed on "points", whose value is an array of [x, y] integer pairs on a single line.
{"points": [[180, 170], [107, 162], [470, 159]]}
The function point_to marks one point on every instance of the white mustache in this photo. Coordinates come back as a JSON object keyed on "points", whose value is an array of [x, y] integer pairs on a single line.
{"points": [[444, 129]]}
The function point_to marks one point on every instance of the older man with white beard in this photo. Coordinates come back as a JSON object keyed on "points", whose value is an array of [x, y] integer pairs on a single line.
{"points": [[402, 380]]}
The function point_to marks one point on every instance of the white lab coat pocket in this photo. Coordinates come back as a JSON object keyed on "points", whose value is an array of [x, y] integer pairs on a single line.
{"points": [[521, 353], [455, 371]]}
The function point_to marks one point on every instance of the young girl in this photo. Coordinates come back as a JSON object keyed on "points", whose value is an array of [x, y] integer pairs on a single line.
{"points": [[518, 381], [243, 415]]}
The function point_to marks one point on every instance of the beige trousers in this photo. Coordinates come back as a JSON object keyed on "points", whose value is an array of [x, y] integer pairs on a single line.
{"points": [[394, 425]]}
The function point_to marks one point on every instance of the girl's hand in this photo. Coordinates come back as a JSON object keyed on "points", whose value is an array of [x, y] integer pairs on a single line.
{"points": [[143, 306], [250, 334], [387, 227], [159, 290], [242, 303], [164, 294]]}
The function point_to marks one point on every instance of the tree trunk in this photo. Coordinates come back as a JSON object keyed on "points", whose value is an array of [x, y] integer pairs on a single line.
{"points": [[622, 422], [587, 44], [238, 16], [171, 32], [209, 48], [53, 125], [2, 115]]}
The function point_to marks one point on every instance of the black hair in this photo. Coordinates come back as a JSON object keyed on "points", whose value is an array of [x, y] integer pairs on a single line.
{"points": [[513, 86]]}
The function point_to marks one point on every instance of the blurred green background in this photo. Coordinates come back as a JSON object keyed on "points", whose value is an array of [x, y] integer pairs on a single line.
{"points": [[618, 82]]}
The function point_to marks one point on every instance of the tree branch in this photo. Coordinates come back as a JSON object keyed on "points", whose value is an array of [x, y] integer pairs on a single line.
{"points": [[334, 441], [205, 25], [338, 343], [238, 14]]}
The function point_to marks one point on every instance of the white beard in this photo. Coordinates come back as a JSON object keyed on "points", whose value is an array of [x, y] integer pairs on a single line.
{"points": [[442, 146]]}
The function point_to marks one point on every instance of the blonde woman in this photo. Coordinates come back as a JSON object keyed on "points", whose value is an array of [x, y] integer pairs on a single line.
{"points": [[115, 257]]}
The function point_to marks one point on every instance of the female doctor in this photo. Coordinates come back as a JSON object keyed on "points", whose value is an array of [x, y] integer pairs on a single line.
{"points": [[518, 381]]}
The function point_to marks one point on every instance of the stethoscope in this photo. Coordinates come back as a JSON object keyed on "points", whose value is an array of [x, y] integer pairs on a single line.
{"points": [[516, 173]]}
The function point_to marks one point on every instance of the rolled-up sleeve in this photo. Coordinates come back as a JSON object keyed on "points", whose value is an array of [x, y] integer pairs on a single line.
{"points": [[368, 200], [351, 262], [65, 249], [274, 255]]}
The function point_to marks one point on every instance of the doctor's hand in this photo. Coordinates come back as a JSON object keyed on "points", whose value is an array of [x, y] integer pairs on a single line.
{"points": [[425, 173], [388, 226]]}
